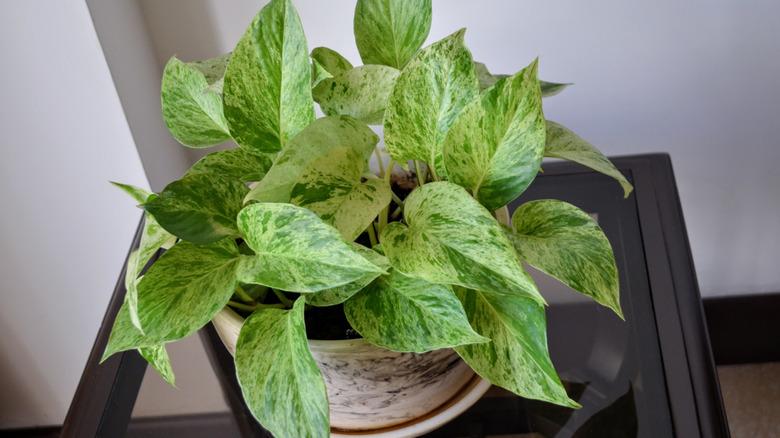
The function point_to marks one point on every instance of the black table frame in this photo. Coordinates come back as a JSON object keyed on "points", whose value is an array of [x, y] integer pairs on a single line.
{"points": [[105, 396]]}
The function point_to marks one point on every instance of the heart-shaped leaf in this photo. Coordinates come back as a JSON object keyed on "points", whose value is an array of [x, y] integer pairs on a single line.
{"points": [[516, 358], [318, 74], [267, 91], [278, 375], [408, 314], [495, 147], [296, 251], [361, 92], [566, 243], [331, 61], [192, 109], [179, 294], [390, 32], [428, 96], [238, 163], [563, 143], [200, 208], [486, 80], [337, 295], [452, 239], [322, 169]]}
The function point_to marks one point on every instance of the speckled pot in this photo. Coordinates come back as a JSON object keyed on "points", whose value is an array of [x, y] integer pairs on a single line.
{"points": [[377, 393]]}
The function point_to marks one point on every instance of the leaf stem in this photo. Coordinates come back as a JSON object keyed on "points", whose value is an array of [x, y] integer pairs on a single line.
{"points": [[379, 161], [383, 216], [421, 177], [243, 296], [283, 298], [433, 172], [397, 200], [372, 234], [502, 215]]}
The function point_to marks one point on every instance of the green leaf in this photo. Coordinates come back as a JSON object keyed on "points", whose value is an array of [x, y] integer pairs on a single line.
{"points": [[309, 150], [191, 108], [323, 169], [331, 61], [140, 195], [153, 237], [239, 163], [318, 73], [278, 375], [390, 32], [158, 358], [179, 294], [361, 93], [296, 251], [200, 208], [213, 69], [487, 79], [337, 295], [427, 98], [125, 333], [495, 147], [565, 144], [451, 239], [566, 243], [408, 314], [516, 358], [267, 89]]}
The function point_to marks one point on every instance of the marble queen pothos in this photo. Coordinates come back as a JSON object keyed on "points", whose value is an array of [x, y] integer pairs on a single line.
{"points": [[292, 217]]}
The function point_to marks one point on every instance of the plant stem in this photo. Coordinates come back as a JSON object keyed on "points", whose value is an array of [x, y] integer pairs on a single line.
{"points": [[502, 215], [243, 295], [383, 216], [372, 234], [379, 161], [397, 199], [283, 298], [396, 213], [420, 176]]}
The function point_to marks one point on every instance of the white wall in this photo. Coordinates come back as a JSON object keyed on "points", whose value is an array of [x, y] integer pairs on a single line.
{"points": [[64, 231], [698, 79]]}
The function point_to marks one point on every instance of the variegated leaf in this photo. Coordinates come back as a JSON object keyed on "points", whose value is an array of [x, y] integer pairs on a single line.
{"points": [[495, 147], [390, 32], [200, 208], [191, 108], [267, 89], [279, 378], [213, 69], [361, 92], [452, 239], [157, 356], [296, 251], [238, 163], [337, 295], [311, 149], [140, 195], [124, 332], [566, 243], [428, 96], [318, 73], [408, 314], [331, 61], [487, 79], [565, 144], [516, 358], [178, 295], [323, 170], [153, 237]]}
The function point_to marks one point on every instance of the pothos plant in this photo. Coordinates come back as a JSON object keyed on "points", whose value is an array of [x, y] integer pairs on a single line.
{"points": [[420, 256]]}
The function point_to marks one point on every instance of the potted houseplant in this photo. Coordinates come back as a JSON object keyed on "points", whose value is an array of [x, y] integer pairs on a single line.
{"points": [[348, 297]]}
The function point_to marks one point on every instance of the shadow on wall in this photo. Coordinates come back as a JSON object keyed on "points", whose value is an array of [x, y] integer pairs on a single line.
{"points": [[19, 405]]}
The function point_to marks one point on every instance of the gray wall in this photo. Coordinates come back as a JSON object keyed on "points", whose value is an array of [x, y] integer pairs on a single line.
{"points": [[64, 231]]}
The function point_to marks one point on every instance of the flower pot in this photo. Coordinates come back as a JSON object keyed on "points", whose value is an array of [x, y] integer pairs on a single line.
{"points": [[375, 392]]}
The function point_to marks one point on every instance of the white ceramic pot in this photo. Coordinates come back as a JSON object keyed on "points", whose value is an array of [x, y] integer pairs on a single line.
{"points": [[379, 393]]}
